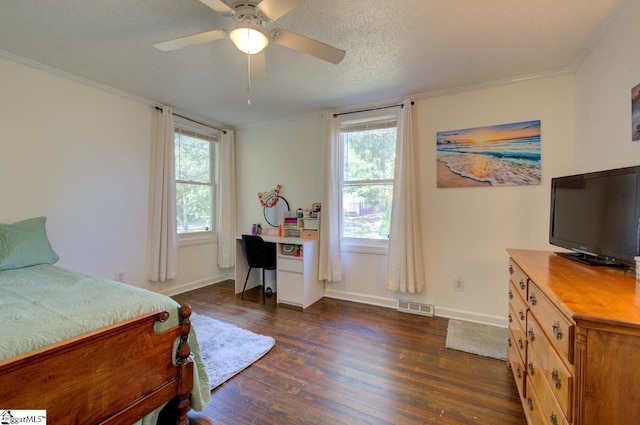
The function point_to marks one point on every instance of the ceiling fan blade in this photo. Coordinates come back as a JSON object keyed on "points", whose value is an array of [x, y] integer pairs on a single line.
{"points": [[275, 9], [258, 66], [307, 45], [191, 40], [219, 7]]}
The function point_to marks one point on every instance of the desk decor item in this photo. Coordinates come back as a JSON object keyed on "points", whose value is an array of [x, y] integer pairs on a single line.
{"points": [[270, 231], [288, 249], [269, 198], [273, 205]]}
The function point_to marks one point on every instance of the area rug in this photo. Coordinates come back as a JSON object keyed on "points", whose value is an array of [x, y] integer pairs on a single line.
{"points": [[484, 340], [227, 349]]}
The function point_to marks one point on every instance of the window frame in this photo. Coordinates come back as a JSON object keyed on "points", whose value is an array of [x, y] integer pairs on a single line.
{"points": [[371, 120], [212, 136]]}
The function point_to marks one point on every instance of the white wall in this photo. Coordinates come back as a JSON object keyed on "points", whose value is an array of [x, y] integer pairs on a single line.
{"points": [[466, 230], [603, 96], [289, 154], [80, 155]]}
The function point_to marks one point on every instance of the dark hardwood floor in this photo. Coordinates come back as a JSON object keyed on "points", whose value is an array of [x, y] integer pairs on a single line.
{"points": [[340, 362]]}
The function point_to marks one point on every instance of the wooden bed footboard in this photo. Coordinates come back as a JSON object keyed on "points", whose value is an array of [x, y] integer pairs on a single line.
{"points": [[114, 375]]}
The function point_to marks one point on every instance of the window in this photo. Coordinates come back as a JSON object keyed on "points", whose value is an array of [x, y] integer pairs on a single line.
{"points": [[196, 178], [368, 150]]}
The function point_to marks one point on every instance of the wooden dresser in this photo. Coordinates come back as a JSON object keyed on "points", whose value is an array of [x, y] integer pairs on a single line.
{"points": [[574, 340]]}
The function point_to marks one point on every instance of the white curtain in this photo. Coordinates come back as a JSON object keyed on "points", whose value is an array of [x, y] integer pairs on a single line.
{"points": [[163, 261], [330, 267], [227, 222], [405, 269]]}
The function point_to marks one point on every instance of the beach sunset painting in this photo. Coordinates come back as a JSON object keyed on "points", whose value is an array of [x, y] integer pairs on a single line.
{"points": [[498, 155]]}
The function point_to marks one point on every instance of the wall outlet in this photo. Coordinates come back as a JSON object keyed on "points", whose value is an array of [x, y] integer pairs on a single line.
{"points": [[458, 284], [121, 276]]}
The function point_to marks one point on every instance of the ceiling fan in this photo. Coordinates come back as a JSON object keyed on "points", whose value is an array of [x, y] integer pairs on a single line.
{"points": [[250, 37]]}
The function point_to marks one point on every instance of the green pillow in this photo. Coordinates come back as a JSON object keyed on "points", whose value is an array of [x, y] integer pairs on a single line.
{"points": [[25, 244]]}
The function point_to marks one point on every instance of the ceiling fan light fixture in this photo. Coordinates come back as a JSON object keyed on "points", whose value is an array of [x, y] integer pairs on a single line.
{"points": [[250, 39]]}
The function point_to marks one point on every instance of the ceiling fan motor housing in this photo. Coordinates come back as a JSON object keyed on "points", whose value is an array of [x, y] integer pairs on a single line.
{"points": [[247, 12]]}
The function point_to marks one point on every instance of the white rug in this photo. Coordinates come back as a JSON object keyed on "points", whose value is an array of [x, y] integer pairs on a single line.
{"points": [[227, 349], [485, 340]]}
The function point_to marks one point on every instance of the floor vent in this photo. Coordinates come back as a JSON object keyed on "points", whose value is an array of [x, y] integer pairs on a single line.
{"points": [[415, 308]]}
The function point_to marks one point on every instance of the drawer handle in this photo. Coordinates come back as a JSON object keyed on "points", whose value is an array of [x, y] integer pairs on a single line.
{"points": [[532, 336], [518, 372], [555, 377], [557, 330], [509, 342], [521, 314], [530, 402], [554, 419], [533, 300], [531, 370], [510, 294], [520, 343], [510, 269], [522, 284], [510, 318]]}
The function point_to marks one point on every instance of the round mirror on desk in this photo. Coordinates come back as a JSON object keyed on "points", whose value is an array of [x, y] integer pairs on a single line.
{"points": [[273, 214]]}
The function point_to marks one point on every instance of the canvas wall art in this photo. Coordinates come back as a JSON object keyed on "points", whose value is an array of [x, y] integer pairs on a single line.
{"points": [[635, 113], [497, 155]]}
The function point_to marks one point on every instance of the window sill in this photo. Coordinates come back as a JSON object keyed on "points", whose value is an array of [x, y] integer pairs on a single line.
{"points": [[190, 239], [377, 248]]}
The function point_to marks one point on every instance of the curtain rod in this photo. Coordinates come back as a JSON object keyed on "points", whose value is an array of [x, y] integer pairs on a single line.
{"points": [[197, 122], [371, 109]]}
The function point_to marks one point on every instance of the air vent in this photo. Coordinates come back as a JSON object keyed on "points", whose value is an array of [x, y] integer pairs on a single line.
{"points": [[415, 308]]}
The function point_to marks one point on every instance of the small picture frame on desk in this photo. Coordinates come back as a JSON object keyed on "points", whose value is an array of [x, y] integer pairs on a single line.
{"points": [[315, 209]]}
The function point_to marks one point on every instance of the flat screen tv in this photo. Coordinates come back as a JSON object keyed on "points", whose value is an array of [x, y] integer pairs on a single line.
{"points": [[597, 216]]}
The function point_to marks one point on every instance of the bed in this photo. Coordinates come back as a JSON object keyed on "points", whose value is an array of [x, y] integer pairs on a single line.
{"points": [[90, 350]]}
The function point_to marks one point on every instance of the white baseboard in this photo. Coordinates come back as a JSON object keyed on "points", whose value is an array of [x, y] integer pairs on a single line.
{"points": [[360, 298], [190, 286], [470, 316], [448, 313]]}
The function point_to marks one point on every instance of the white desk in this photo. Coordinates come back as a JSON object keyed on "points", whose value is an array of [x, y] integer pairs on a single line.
{"points": [[297, 281]]}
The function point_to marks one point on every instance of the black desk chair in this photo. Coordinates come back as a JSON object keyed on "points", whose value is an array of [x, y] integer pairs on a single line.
{"points": [[259, 255]]}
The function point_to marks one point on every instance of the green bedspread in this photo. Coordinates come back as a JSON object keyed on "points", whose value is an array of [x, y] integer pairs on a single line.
{"points": [[44, 304]]}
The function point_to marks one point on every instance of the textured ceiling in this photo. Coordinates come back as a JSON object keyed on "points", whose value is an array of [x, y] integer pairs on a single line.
{"points": [[394, 48]]}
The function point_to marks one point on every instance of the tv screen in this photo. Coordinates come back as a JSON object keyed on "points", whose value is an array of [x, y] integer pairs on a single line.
{"points": [[596, 215]]}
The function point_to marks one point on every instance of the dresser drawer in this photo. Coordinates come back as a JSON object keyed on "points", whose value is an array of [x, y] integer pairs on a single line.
{"points": [[518, 306], [549, 407], [519, 336], [516, 363], [532, 407], [294, 265], [558, 329], [309, 234], [290, 288], [556, 375], [519, 278]]}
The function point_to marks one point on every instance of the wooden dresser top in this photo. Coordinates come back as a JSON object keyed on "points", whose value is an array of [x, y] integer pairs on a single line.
{"points": [[584, 293]]}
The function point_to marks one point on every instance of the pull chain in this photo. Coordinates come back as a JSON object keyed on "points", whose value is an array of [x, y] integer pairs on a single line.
{"points": [[249, 80]]}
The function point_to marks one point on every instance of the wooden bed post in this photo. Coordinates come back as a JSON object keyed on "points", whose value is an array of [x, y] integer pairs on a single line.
{"points": [[185, 363]]}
